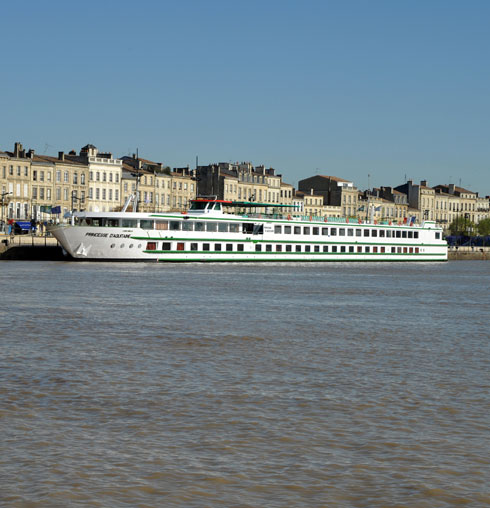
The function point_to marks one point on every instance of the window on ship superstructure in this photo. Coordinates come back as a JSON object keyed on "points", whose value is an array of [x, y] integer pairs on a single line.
{"points": [[316, 248], [278, 248], [398, 234], [298, 248], [374, 233], [333, 231], [287, 230], [234, 227], [297, 230], [325, 231], [223, 227], [438, 236], [229, 247], [258, 247], [187, 225], [334, 248], [277, 229], [358, 232], [351, 248], [325, 248], [217, 246], [268, 248], [193, 246], [212, 226], [240, 247], [146, 224], [199, 226], [289, 248], [381, 233], [415, 234], [388, 233], [166, 246], [410, 234], [315, 231], [342, 248], [366, 232], [341, 231], [350, 232], [306, 230], [404, 234], [307, 248], [205, 246], [175, 225], [366, 249]]}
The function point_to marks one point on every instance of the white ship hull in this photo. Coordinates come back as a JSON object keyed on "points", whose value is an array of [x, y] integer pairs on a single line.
{"points": [[185, 238]]}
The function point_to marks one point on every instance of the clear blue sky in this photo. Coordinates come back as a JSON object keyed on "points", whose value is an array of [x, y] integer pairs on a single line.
{"points": [[349, 88]]}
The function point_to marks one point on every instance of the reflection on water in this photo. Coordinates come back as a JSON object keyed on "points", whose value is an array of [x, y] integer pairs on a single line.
{"points": [[244, 385]]}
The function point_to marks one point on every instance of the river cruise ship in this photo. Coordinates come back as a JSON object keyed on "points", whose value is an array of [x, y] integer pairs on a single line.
{"points": [[207, 233]]}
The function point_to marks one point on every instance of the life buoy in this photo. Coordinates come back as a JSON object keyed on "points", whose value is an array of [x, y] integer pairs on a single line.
{"points": [[326, 219], [183, 213]]}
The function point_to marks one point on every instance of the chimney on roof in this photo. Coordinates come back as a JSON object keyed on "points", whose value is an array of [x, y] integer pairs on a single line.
{"points": [[61, 156], [450, 188], [423, 183], [311, 192], [30, 153], [72, 152], [17, 149]]}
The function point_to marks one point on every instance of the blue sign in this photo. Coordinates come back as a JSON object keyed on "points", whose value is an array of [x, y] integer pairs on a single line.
{"points": [[56, 209], [24, 224]]}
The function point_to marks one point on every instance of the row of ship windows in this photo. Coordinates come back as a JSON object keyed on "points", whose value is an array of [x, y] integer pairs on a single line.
{"points": [[255, 229], [230, 247]]}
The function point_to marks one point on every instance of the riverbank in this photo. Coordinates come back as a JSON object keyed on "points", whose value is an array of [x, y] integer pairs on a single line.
{"points": [[28, 247]]}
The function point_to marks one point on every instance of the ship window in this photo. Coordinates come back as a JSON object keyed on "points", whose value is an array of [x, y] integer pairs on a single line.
{"points": [[317, 248], [122, 246], [96, 222], [187, 226], [382, 233], [399, 250], [268, 248], [324, 231], [205, 246], [366, 232], [334, 248], [316, 231], [166, 246], [351, 248], [212, 226], [180, 246], [193, 246], [350, 232], [289, 248], [398, 234], [342, 248], [131, 245], [217, 246], [388, 233], [411, 250], [375, 250], [404, 234], [159, 224], [258, 248], [239, 247], [415, 234], [258, 229], [410, 234], [298, 248], [174, 225], [333, 231], [113, 223], [248, 228], [374, 233], [306, 230], [287, 230], [307, 248], [382, 250], [359, 249], [325, 248], [234, 227], [150, 246], [277, 230], [297, 230], [113, 245], [146, 224], [358, 232], [223, 227], [404, 250], [416, 250], [393, 250], [278, 248], [438, 236], [342, 232], [229, 247], [366, 249], [198, 226]]}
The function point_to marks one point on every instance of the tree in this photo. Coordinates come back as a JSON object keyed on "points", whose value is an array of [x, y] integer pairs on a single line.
{"points": [[462, 226], [484, 227]]}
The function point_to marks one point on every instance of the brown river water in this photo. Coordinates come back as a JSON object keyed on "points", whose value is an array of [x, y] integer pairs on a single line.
{"points": [[278, 385]]}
